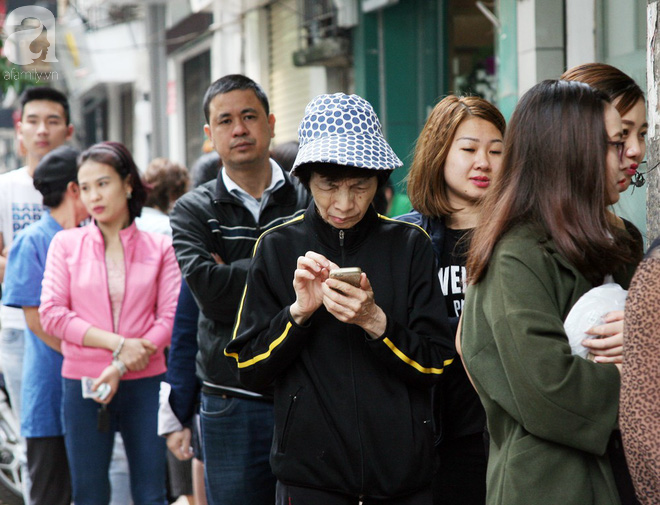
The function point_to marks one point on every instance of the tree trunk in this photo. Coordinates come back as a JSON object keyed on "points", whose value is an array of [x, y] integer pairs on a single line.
{"points": [[653, 140]]}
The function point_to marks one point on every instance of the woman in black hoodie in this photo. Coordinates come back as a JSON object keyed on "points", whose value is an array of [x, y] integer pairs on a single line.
{"points": [[351, 365]]}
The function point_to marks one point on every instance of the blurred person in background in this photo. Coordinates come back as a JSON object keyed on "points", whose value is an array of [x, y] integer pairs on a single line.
{"points": [[178, 416], [56, 179], [285, 154], [166, 182], [205, 168], [45, 124]]}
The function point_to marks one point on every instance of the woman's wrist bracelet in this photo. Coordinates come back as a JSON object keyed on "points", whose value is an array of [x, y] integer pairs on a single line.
{"points": [[120, 366], [115, 353]]}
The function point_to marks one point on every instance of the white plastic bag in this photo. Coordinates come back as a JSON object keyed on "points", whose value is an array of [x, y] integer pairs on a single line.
{"points": [[588, 312]]}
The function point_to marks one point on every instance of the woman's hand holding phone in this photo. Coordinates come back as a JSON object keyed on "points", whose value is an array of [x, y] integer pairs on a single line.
{"points": [[312, 270]]}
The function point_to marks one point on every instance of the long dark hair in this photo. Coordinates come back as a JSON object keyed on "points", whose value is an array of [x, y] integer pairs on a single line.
{"points": [[554, 176], [118, 157]]}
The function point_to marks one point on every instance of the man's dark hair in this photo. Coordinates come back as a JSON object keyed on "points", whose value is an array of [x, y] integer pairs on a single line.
{"points": [[206, 168], [46, 93], [54, 200], [229, 83]]}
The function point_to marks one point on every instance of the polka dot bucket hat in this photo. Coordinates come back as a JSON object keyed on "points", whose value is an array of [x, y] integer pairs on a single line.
{"points": [[343, 129]]}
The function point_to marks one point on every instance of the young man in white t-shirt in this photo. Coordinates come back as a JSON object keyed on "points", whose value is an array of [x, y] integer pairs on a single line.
{"points": [[45, 124]]}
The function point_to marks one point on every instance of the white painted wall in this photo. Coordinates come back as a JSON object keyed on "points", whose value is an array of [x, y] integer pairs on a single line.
{"points": [[114, 112], [580, 32], [291, 87], [540, 35], [116, 51], [176, 121], [227, 46], [256, 49]]}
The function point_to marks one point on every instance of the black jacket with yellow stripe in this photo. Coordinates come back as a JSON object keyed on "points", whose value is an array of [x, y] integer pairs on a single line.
{"points": [[352, 415], [210, 220]]}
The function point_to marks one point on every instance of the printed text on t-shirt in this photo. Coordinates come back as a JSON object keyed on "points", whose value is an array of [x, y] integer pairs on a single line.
{"points": [[24, 214], [452, 280]]}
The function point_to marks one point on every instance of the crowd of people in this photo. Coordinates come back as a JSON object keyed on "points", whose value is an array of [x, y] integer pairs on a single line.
{"points": [[290, 344]]}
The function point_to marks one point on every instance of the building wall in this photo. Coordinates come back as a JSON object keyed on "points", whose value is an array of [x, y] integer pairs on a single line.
{"points": [[653, 153], [610, 31], [290, 87], [178, 113], [580, 32], [507, 57], [540, 41], [400, 63], [621, 42]]}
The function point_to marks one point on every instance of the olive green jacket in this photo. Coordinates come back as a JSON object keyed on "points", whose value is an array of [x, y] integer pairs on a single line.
{"points": [[550, 414]]}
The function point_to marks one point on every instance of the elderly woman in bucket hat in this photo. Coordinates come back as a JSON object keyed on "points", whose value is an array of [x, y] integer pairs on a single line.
{"points": [[351, 365]]}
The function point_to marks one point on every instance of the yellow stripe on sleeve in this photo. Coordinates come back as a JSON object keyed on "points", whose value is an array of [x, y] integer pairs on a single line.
{"points": [[264, 355], [385, 218], [240, 310], [254, 251], [412, 362], [292, 220]]}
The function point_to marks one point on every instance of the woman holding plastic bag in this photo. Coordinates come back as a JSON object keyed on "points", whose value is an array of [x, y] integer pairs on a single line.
{"points": [[543, 240], [628, 99]]}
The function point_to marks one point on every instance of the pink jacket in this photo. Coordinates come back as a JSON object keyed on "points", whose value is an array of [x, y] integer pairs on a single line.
{"points": [[75, 296]]}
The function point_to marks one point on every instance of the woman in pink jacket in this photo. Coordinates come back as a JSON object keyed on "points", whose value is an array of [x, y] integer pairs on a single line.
{"points": [[110, 293]]}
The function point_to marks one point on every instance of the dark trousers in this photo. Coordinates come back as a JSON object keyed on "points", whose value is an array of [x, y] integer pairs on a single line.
{"points": [[461, 475], [292, 495], [134, 412], [620, 470], [236, 439], [49, 471]]}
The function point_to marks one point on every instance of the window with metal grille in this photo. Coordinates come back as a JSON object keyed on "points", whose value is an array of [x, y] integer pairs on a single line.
{"points": [[322, 40]]}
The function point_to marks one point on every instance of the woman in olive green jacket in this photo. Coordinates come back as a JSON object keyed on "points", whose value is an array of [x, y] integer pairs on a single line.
{"points": [[545, 240]]}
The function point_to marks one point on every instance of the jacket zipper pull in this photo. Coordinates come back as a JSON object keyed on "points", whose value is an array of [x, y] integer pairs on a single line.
{"points": [[341, 246]]}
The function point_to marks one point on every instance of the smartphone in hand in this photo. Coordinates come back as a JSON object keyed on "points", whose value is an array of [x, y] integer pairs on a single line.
{"points": [[351, 275]]}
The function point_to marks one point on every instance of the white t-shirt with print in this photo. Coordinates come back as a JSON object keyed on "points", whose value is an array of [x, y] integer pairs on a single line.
{"points": [[20, 205]]}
